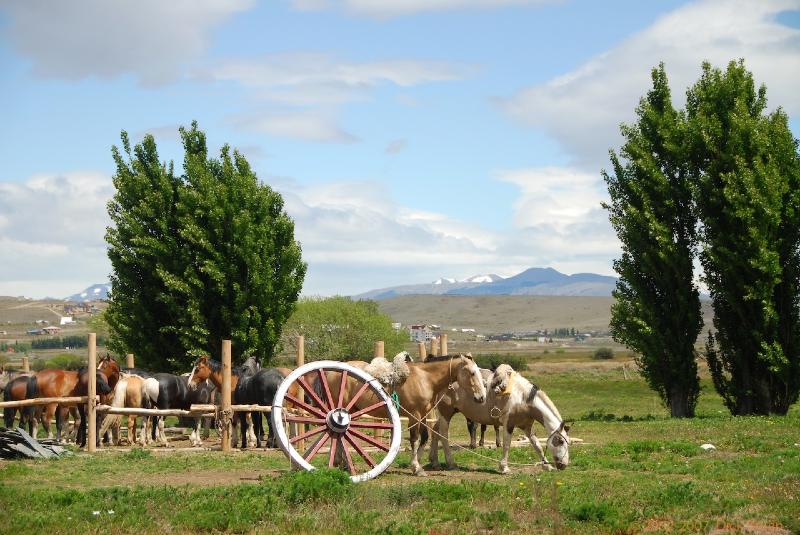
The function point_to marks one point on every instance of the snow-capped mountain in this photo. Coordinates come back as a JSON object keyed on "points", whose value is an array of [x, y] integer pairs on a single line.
{"points": [[533, 281], [96, 292]]}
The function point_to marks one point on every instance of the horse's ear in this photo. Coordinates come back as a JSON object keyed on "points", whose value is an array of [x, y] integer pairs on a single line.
{"points": [[567, 426]]}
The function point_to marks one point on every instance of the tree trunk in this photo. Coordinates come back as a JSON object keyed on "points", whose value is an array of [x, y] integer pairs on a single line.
{"points": [[679, 404]]}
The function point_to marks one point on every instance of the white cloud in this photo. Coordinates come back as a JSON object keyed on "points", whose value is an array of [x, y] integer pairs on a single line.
{"points": [[52, 233], [396, 146], [308, 125], [383, 9], [583, 108], [108, 38]]}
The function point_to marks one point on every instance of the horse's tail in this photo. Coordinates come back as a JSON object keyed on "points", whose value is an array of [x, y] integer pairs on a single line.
{"points": [[8, 413], [117, 401], [31, 392]]}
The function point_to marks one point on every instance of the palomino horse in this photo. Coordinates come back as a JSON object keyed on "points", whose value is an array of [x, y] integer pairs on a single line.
{"points": [[512, 402], [129, 392], [246, 389], [62, 383], [472, 426], [418, 394]]}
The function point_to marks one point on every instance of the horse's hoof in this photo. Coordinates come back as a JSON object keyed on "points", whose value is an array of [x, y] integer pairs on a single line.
{"points": [[504, 469], [421, 473]]}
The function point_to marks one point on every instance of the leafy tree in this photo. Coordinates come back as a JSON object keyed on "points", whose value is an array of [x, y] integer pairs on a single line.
{"points": [[338, 328], [748, 195], [657, 308], [197, 258]]}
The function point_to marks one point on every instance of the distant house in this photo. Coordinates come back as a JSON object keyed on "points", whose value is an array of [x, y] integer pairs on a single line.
{"points": [[468, 330], [420, 333], [51, 330], [67, 320], [42, 322]]}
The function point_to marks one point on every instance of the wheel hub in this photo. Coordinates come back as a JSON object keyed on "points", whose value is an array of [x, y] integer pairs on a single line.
{"points": [[338, 420]]}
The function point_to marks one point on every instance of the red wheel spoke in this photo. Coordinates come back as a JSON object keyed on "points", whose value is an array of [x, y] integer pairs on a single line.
{"points": [[360, 450], [314, 396], [347, 456], [326, 386], [367, 409], [304, 419], [368, 439], [311, 433], [306, 406], [342, 386], [358, 395], [332, 454], [372, 425], [321, 442]]}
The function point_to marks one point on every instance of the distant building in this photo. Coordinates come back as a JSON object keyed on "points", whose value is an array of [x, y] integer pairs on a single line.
{"points": [[51, 330], [420, 333], [66, 320], [397, 326]]}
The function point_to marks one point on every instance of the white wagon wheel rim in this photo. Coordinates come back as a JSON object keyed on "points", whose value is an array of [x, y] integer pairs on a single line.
{"points": [[338, 426]]}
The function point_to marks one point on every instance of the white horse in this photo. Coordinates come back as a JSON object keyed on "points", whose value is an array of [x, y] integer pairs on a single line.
{"points": [[512, 402]]}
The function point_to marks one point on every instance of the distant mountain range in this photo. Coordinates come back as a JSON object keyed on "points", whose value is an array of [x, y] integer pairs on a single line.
{"points": [[95, 292], [533, 281]]}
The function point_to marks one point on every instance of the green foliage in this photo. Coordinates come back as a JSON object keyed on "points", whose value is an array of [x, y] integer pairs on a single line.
{"points": [[197, 258], [748, 195], [65, 361], [331, 485], [656, 312], [65, 342], [338, 328], [492, 360], [603, 353]]}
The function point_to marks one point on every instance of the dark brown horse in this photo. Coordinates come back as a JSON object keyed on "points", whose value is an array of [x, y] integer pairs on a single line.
{"points": [[63, 383], [16, 390], [110, 367]]}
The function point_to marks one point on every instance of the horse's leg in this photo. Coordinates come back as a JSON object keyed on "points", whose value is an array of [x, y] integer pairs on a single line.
{"points": [[161, 432], [483, 434], [444, 429], [508, 428], [257, 423], [81, 441], [497, 436], [243, 430], [58, 412], [433, 454], [535, 443], [251, 434], [471, 429], [414, 438], [131, 430]]}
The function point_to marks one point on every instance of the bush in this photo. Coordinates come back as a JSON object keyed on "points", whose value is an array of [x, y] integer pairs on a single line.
{"points": [[603, 353], [65, 361], [325, 484], [493, 360]]}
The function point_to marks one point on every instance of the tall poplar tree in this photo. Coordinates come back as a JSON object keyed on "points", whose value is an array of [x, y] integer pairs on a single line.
{"points": [[657, 308], [197, 258], [748, 197]]}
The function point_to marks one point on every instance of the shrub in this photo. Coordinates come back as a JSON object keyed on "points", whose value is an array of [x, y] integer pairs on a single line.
{"points": [[65, 361], [493, 360], [603, 353]]}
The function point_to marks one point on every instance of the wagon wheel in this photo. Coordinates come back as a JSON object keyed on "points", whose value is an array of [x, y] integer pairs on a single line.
{"points": [[336, 419]]}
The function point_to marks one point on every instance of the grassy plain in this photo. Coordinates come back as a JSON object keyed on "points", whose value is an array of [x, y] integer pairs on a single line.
{"points": [[637, 471]]}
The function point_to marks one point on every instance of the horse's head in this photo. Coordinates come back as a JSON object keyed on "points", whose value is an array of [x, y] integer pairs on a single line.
{"points": [[110, 367], [469, 378], [502, 379], [558, 442], [250, 366], [200, 372]]}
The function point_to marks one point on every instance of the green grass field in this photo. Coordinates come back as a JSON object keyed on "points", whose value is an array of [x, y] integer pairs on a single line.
{"points": [[637, 472]]}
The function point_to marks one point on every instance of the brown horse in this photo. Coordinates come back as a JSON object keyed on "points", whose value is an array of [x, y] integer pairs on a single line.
{"points": [[63, 383], [418, 394], [110, 367]]}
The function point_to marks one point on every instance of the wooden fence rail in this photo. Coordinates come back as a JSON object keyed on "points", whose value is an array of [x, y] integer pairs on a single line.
{"points": [[44, 401]]}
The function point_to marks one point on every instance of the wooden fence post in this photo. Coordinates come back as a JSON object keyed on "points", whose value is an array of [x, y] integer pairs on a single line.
{"points": [[378, 351], [301, 350], [226, 396], [91, 436], [423, 352], [435, 346], [443, 344], [129, 362], [26, 365]]}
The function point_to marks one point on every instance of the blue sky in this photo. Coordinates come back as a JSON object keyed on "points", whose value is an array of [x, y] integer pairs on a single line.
{"points": [[411, 139]]}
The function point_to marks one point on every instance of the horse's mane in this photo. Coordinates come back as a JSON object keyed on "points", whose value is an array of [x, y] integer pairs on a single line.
{"points": [[216, 366], [544, 397]]}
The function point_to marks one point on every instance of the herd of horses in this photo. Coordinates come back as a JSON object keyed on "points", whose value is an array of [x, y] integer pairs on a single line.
{"points": [[440, 385]]}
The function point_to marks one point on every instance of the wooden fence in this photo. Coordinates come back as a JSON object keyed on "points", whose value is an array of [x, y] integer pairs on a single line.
{"points": [[226, 408]]}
